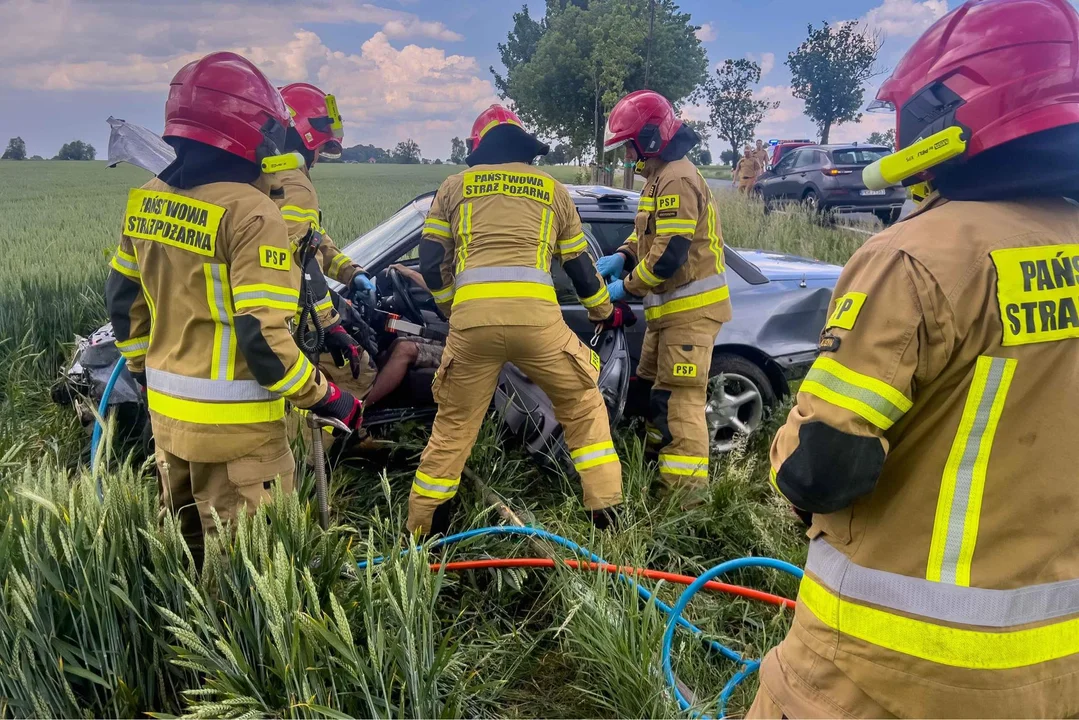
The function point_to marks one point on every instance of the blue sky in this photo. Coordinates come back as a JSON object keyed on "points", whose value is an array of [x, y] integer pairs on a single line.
{"points": [[400, 68]]}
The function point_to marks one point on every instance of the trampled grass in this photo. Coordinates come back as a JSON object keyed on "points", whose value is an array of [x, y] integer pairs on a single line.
{"points": [[101, 614]]}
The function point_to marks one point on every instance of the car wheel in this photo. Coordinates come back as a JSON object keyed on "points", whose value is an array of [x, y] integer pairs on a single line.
{"points": [[811, 201], [739, 396]]}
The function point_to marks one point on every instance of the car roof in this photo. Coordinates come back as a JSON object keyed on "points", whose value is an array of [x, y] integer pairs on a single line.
{"points": [[600, 200], [852, 146]]}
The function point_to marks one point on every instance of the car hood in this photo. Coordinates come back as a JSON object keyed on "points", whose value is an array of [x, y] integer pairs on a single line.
{"points": [[780, 266]]}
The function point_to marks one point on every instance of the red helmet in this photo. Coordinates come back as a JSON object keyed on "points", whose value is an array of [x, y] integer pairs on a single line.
{"points": [[490, 118], [644, 118], [998, 69], [315, 116], [224, 101]]}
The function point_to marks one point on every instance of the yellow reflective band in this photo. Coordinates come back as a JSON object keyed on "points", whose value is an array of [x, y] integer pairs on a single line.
{"points": [[300, 213], [646, 204], [208, 413], [325, 305], [464, 234], [715, 242], [492, 290], [173, 220], [437, 232], [588, 449], [265, 295], [543, 245], [632, 237], [294, 379], [436, 488], [646, 275], [772, 478], [444, 295], [687, 465], [610, 457], [339, 261], [219, 300], [435, 222], [692, 302], [959, 504], [874, 400], [955, 647], [134, 347], [598, 299], [670, 227], [125, 268], [495, 123], [126, 256], [577, 243]]}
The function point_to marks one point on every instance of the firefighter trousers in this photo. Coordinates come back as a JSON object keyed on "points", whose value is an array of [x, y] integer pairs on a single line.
{"points": [[676, 359], [553, 358], [193, 489]]}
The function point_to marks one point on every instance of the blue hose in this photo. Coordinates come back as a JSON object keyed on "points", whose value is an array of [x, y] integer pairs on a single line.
{"points": [[675, 613], [102, 408]]}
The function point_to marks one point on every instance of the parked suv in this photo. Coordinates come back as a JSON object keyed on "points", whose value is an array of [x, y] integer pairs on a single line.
{"points": [[829, 178]]}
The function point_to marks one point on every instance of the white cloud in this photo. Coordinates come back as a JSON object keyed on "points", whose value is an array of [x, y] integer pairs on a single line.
{"points": [[767, 61], [706, 33], [905, 18], [385, 93]]}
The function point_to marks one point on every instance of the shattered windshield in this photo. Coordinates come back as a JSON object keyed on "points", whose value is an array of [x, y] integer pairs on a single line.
{"points": [[370, 246]]}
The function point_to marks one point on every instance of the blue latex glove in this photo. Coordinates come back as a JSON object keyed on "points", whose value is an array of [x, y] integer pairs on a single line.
{"points": [[610, 266], [616, 289], [362, 283]]}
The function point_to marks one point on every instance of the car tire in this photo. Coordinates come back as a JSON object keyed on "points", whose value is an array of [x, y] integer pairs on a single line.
{"points": [[811, 201], [739, 398]]}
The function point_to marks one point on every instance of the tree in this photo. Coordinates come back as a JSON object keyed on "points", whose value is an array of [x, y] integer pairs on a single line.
{"points": [[734, 113], [407, 152], [566, 71], [16, 150], [704, 157], [438, 161], [829, 70], [701, 128], [729, 157], [365, 153], [458, 151], [76, 150], [886, 138]]}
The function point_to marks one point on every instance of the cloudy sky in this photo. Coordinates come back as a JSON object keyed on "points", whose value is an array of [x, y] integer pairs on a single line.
{"points": [[400, 68]]}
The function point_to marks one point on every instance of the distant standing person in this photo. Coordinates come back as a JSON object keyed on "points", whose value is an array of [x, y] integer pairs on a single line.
{"points": [[747, 171], [761, 153]]}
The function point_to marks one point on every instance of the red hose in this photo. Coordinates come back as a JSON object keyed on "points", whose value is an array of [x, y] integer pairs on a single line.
{"points": [[631, 571]]}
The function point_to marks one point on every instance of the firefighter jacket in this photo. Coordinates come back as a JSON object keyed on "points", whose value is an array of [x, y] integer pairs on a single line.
{"points": [[295, 195], [200, 293], [748, 168], [676, 249], [934, 441], [488, 243]]}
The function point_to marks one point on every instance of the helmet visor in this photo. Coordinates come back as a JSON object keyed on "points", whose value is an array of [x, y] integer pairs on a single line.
{"points": [[331, 150]]}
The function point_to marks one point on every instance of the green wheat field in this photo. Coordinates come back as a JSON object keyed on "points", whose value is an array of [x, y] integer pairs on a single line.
{"points": [[101, 614]]}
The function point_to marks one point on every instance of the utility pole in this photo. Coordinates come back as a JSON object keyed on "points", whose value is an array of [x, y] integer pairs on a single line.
{"points": [[651, 28]]}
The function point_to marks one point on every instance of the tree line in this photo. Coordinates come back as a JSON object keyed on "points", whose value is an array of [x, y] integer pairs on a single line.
{"points": [[74, 150]]}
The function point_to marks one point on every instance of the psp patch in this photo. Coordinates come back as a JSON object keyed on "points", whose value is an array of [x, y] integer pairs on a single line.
{"points": [[685, 370], [1038, 293], [274, 258], [667, 202], [595, 360], [847, 307], [175, 220]]}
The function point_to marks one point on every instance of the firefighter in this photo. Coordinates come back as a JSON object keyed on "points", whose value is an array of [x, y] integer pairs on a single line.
{"points": [[316, 130], [749, 167], [933, 441], [200, 293], [486, 257], [761, 153], [675, 258]]}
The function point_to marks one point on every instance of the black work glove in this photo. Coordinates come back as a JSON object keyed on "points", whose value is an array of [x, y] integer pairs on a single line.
{"points": [[621, 316], [341, 405], [342, 347]]}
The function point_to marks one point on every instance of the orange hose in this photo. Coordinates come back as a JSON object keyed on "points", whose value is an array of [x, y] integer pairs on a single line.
{"points": [[714, 586]]}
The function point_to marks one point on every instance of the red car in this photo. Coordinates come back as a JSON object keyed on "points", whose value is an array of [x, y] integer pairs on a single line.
{"points": [[782, 147]]}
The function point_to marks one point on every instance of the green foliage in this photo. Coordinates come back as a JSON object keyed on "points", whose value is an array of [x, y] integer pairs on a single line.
{"points": [[829, 70], [566, 71], [458, 151], [886, 138], [76, 150], [16, 149], [407, 152], [735, 114]]}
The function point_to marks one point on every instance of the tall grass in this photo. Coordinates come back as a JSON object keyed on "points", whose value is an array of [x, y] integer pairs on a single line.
{"points": [[102, 614]]}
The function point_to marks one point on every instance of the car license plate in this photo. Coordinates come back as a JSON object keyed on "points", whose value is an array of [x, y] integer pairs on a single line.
{"points": [[872, 192]]}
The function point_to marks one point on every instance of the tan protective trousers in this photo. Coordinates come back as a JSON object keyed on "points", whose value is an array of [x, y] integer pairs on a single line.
{"points": [[796, 682], [553, 358], [745, 185], [193, 489], [677, 360]]}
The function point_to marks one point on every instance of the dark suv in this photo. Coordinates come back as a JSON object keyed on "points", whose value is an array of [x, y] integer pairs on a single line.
{"points": [[829, 178]]}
